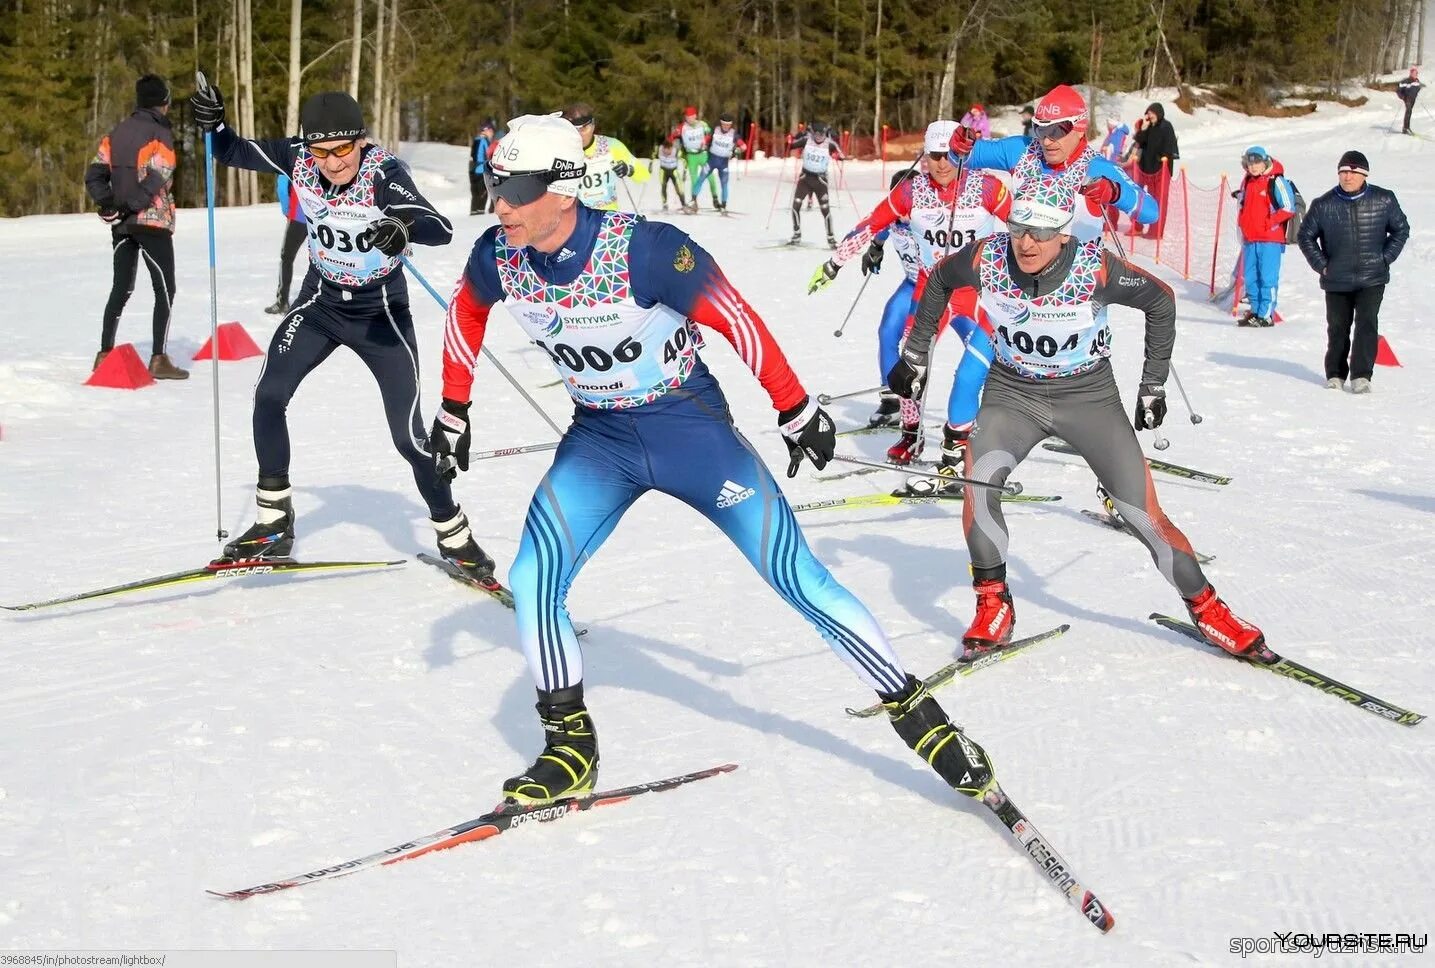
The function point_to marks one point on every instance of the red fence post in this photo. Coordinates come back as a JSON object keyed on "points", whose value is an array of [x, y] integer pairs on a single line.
{"points": [[751, 147], [1216, 246], [1163, 185], [1186, 207]]}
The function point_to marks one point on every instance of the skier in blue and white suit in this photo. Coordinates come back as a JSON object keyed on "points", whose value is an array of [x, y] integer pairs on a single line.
{"points": [[615, 300]]}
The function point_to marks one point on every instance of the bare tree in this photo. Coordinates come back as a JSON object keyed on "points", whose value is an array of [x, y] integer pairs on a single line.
{"points": [[291, 110], [356, 49]]}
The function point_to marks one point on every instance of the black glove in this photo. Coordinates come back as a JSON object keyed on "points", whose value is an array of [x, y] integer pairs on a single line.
{"points": [[1150, 407], [807, 429], [450, 438], [390, 235], [207, 106], [907, 377], [872, 258], [622, 169], [114, 214]]}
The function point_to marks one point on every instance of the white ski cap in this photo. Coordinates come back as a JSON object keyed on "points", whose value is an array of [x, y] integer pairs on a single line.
{"points": [[542, 144], [939, 136], [1025, 211]]}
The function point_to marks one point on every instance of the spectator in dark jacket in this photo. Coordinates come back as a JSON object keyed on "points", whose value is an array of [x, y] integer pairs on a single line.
{"points": [[1156, 152], [1351, 235], [1408, 90], [129, 179], [478, 154], [296, 233], [1027, 117]]}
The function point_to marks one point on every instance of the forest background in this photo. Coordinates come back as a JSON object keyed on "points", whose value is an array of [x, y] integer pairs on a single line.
{"points": [[431, 70]]}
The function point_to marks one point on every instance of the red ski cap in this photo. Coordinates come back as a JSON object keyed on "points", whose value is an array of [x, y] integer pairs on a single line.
{"points": [[690, 112], [1062, 103]]}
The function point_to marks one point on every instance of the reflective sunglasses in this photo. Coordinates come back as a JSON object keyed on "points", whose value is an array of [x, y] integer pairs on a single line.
{"points": [[523, 188], [1252, 159], [338, 151], [1042, 233], [1053, 131], [582, 122], [937, 155]]}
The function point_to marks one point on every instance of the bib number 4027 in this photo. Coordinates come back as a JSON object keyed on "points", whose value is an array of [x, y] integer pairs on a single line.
{"points": [[580, 358]]}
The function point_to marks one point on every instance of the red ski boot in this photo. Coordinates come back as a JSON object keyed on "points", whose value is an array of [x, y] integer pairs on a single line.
{"points": [[908, 447], [994, 622], [1223, 628]]}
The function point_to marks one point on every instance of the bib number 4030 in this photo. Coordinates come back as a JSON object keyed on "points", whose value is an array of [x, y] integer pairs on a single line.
{"points": [[580, 358], [341, 241]]}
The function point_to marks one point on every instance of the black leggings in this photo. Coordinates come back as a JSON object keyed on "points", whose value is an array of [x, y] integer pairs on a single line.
{"points": [[295, 235], [157, 249], [670, 175], [383, 337], [811, 183]]}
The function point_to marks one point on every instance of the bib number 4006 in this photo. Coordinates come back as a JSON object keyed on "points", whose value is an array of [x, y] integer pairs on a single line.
{"points": [[580, 358]]}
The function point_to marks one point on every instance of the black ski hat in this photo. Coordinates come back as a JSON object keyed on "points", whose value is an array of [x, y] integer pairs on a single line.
{"points": [[331, 116], [1353, 161], [151, 92]]}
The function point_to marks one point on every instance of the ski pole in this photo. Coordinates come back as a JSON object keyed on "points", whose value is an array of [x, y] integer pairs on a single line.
{"points": [[826, 398], [1195, 417], [631, 201], [853, 308], [864, 462], [513, 451], [219, 532], [484, 350], [1159, 442]]}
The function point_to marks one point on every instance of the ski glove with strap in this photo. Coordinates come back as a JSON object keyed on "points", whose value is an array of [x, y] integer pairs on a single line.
{"points": [[872, 259], [114, 215], [390, 235], [1101, 191], [450, 438], [807, 430], [207, 107], [907, 377], [1150, 407], [622, 169], [823, 276], [963, 140]]}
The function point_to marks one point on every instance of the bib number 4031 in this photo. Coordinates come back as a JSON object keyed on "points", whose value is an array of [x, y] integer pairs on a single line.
{"points": [[580, 358]]}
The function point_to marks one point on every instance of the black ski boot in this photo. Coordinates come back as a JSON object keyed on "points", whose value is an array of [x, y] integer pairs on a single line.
{"points": [[568, 765], [1104, 496], [888, 412], [924, 726], [456, 544], [954, 455], [272, 533]]}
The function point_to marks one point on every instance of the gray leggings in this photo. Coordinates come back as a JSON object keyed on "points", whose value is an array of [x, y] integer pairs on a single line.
{"points": [[1086, 411]]}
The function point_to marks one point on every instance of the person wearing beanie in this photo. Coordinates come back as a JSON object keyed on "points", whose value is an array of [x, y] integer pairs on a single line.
{"points": [[131, 179], [976, 119], [364, 211], [1046, 294], [616, 301], [1408, 90], [722, 145], [1266, 203], [1155, 151], [818, 149], [478, 154], [608, 160], [1351, 235], [1058, 164]]}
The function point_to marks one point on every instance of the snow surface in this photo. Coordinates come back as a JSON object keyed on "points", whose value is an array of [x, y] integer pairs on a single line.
{"points": [[227, 734]]}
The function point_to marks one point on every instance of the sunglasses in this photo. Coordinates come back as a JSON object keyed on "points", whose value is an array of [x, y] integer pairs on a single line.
{"points": [[582, 122], [937, 155], [338, 151], [1041, 233], [520, 189], [1053, 131], [1249, 160]]}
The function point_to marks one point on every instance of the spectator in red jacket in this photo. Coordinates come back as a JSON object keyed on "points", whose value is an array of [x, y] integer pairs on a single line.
{"points": [[1267, 203]]}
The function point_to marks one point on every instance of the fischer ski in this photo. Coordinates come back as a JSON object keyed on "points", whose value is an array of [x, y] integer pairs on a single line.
{"points": [[1175, 470], [957, 667], [1106, 520], [243, 568], [926, 487], [506, 817], [1294, 670], [1047, 860]]}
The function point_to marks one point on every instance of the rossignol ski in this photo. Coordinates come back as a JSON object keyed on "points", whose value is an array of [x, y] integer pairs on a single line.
{"points": [[506, 817]]}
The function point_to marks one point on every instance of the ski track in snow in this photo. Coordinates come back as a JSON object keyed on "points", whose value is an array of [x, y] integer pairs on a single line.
{"points": [[228, 733]]}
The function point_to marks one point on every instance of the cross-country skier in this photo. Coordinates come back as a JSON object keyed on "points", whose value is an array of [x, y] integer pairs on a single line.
{"points": [[608, 160], [694, 134], [722, 145], [615, 300], [1046, 294], [944, 207], [897, 313], [363, 211], [668, 171], [818, 149], [1057, 154]]}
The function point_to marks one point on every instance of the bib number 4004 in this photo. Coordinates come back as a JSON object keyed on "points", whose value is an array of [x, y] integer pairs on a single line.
{"points": [[580, 358], [1043, 345]]}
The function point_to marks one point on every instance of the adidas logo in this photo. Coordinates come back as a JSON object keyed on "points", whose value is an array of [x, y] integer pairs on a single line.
{"points": [[733, 494]]}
